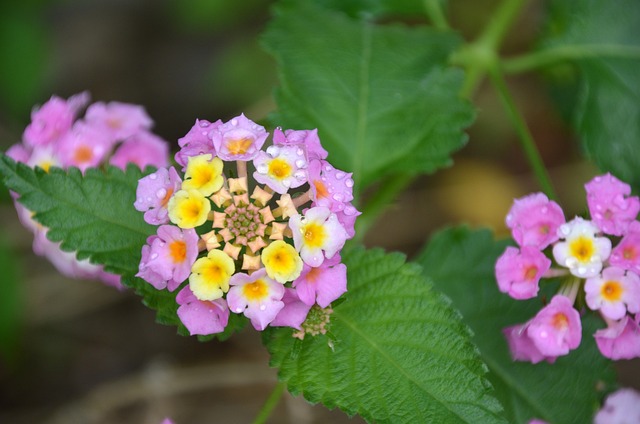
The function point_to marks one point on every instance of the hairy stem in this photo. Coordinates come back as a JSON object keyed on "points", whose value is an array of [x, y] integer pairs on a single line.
{"points": [[482, 54], [524, 135], [270, 404], [435, 13], [553, 55]]}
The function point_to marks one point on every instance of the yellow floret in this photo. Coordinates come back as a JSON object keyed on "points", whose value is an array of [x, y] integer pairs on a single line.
{"points": [[203, 174], [210, 275], [188, 208], [281, 261]]}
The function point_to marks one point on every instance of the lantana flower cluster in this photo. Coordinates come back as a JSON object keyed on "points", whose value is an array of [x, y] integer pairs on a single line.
{"points": [[597, 260], [109, 133], [248, 229]]}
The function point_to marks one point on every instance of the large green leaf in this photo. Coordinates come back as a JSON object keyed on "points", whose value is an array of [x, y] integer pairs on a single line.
{"points": [[91, 214], [397, 353], [382, 96], [603, 40], [461, 263]]}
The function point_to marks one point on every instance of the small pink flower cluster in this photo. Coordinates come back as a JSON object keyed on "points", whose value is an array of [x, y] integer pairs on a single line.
{"points": [[586, 260], [255, 231], [114, 133]]}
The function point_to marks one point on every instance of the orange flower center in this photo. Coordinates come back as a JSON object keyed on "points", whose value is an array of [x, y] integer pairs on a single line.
{"points": [[178, 251], [611, 291], [530, 273], [239, 146], [83, 154], [560, 321], [257, 290]]}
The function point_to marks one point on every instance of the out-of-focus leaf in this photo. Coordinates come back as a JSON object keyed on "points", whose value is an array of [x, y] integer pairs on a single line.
{"points": [[382, 96], [607, 113], [11, 303]]}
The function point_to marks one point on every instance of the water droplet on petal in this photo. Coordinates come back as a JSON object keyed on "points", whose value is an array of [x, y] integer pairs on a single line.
{"points": [[273, 151], [203, 124], [328, 168], [154, 256], [153, 176], [338, 197], [161, 193], [340, 175], [238, 310], [262, 168], [300, 175], [234, 122], [286, 182], [300, 151], [301, 163], [263, 307], [348, 183]]}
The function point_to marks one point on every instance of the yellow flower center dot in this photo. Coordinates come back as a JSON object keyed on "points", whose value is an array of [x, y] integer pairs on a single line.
{"points": [[83, 154], [178, 251], [239, 146], [279, 169], [611, 291], [314, 235], [255, 291], [560, 321], [582, 249]]}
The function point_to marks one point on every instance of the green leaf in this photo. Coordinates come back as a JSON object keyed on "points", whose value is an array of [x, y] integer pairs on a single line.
{"points": [[395, 352], [603, 38], [382, 96], [461, 263], [92, 215]]}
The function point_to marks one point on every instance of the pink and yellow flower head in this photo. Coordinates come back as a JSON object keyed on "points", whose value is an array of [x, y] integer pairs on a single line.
{"points": [[261, 234], [113, 133], [586, 262]]}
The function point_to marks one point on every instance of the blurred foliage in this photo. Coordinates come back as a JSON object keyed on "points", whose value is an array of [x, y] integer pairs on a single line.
{"points": [[11, 303], [23, 56]]}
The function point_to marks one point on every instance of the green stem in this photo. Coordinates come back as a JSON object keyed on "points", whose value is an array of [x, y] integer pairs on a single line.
{"points": [[379, 202], [558, 54], [526, 140], [482, 54], [270, 404], [435, 14]]}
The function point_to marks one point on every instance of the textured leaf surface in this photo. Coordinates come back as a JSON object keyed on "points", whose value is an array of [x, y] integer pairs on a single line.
{"points": [[399, 352], [607, 113], [382, 97], [91, 214], [461, 263]]}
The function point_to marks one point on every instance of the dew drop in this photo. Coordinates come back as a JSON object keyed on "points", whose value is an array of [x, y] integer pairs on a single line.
{"points": [[263, 307], [286, 182], [149, 199], [161, 193], [300, 152], [203, 124], [348, 183], [273, 151], [262, 168], [544, 209], [328, 168], [234, 122], [300, 175], [350, 210], [154, 256], [340, 175], [238, 310], [338, 197], [153, 176], [301, 163]]}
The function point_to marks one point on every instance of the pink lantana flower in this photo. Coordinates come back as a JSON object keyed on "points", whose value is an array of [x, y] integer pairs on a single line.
{"points": [[582, 251], [53, 119], [324, 284], [143, 149], [293, 313], [257, 296], [522, 347], [307, 139], [238, 139], [168, 256], [330, 187], [519, 271], [317, 235], [83, 146], [281, 168], [118, 120], [202, 316], [620, 407], [610, 205], [153, 194], [614, 292], [620, 340], [556, 329], [626, 254], [197, 141], [534, 220]]}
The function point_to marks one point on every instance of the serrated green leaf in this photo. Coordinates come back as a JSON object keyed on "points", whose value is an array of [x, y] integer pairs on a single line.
{"points": [[397, 353], [603, 37], [382, 96], [92, 215], [461, 263]]}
